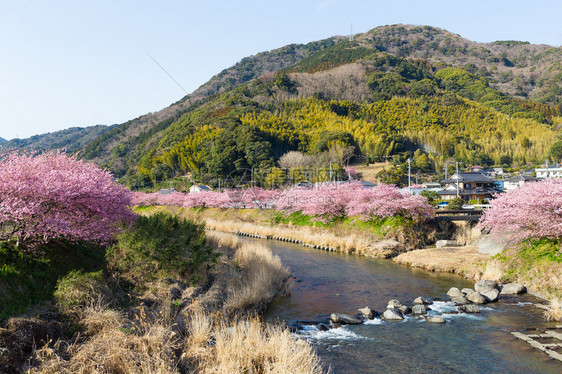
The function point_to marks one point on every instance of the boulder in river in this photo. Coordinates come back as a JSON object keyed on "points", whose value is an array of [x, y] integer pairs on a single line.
{"points": [[422, 301], [436, 319], [344, 319], [322, 327], [461, 300], [454, 292], [490, 294], [513, 289], [393, 304], [392, 315], [405, 309], [476, 298], [469, 308], [486, 284], [419, 309], [368, 312]]}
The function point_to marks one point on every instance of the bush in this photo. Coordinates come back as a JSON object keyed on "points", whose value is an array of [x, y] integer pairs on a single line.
{"points": [[79, 289], [162, 245], [456, 203]]}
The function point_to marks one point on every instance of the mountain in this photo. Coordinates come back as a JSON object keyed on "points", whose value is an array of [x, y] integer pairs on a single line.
{"points": [[72, 139], [2, 140], [396, 91]]}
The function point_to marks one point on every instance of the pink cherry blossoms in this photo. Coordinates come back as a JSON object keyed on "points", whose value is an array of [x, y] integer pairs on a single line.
{"points": [[55, 196], [323, 202], [532, 211]]}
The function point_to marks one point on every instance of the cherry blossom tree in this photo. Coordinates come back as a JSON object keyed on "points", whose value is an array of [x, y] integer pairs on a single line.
{"points": [[532, 211], [56, 196]]}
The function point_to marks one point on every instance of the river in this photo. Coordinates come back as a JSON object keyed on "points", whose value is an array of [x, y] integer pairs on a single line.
{"points": [[331, 282]]}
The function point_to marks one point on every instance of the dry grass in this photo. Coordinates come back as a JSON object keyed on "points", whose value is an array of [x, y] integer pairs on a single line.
{"points": [[466, 261], [246, 347], [259, 278], [263, 276], [211, 345], [554, 313]]}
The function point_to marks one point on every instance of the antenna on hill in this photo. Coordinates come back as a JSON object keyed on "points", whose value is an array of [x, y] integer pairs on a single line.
{"points": [[351, 32]]}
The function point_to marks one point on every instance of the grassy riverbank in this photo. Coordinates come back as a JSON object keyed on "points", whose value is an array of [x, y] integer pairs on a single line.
{"points": [[377, 238], [536, 265], [170, 298]]}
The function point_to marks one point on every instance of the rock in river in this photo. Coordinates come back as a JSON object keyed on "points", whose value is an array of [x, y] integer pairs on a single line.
{"points": [[392, 315], [454, 292], [466, 291], [423, 301], [513, 289], [394, 304], [490, 295], [461, 300], [419, 310], [368, 312], [469, 308], [405, 309], [476, 297], [436, 320], [344, 319], [486, 284]]}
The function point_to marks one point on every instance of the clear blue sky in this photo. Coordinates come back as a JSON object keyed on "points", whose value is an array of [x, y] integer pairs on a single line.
{"points": [[81, 63]]}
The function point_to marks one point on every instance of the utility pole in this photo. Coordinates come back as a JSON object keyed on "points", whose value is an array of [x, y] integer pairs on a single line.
{"points": [[219, 185], [457, 179], [409, 174]]}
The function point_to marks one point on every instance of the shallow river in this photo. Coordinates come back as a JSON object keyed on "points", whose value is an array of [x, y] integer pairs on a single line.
{"points": [[328, 282]]}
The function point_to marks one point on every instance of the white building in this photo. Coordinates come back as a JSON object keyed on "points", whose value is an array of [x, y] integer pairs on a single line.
{"points": [[517, 181], [554, 172], [196, 188]]}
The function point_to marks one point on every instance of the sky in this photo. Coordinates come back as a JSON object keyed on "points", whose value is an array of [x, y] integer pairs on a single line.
{"points": [[82, 63]]}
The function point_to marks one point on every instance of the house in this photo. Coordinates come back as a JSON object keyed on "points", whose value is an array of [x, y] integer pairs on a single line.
{"points": [[471, 186], [552, 172], [431, 185], [166, 191], [196, 188], [517, 181], [476, 169]]}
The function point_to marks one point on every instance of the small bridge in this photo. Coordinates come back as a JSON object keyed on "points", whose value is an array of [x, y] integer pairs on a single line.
{"points": [[458, 215]]}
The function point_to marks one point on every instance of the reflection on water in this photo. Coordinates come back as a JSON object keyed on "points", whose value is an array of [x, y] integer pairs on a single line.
{"points": [[329, 282]]}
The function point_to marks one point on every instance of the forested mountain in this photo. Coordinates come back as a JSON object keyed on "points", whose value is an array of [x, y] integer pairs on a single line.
{"points": [[400, 91], [72, 139], [2, 140]]}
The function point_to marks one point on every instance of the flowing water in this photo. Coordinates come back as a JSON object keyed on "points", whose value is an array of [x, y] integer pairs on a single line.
{"points": [[479, 343]]}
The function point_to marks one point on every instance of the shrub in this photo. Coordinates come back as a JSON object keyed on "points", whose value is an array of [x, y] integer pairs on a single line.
{"points": [[161, 245], [456, 203], [79, 290]]}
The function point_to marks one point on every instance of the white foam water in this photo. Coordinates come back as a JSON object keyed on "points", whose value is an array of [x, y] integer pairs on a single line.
{"points": [[339, 333], [375, 321]]}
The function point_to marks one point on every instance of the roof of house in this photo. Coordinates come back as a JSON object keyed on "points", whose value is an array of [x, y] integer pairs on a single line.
{"points": [[521, 178], [468, 192], [468, 177], [202, 187], [549, 169]]}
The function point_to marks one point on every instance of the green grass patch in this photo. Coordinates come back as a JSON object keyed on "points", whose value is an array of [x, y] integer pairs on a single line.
{"points": [[27, 279], [378, 226], [162, 245]]}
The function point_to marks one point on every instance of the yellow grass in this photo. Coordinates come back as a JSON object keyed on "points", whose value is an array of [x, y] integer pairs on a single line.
{"points": [[465, 261], [246, 346], [554, 313]]}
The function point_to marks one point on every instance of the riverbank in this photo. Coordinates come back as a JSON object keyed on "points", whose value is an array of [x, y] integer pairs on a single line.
{"points": [[542, 277], [156, 308], [384, 239]]}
